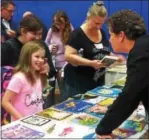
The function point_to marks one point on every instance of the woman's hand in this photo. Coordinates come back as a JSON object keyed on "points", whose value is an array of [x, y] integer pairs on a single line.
{"points": [[104, 136], [98, 108], [96, 64]]}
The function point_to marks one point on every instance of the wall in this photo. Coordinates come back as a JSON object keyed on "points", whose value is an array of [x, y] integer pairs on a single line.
{"points": [[76, 9]]}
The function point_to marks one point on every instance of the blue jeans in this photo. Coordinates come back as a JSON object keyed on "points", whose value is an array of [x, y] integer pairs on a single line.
{"points": [[69, 90]]}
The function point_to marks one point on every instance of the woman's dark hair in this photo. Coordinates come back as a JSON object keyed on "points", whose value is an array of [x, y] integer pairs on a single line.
{"points": [[127, 21], [61, 18], [31, 23]]}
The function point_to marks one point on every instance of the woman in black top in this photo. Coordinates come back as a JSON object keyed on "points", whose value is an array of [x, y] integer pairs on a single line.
{"points": [[86, 46], [128, 34]]}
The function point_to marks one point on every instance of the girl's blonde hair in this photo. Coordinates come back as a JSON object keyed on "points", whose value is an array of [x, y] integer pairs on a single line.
{"points": [[97, 9], [24, 64]]}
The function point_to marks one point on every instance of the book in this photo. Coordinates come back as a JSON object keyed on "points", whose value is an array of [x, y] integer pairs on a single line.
{"points": [[54, 114], [84, 96], [21, 131], [90, 136], [120, 133], [35, 120], [109, 60], [106, 92], [106, 102], [74, 106], [133, 125], [86, 120]]}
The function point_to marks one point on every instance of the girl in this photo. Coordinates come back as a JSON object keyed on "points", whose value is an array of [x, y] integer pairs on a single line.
{"points": [[23, 96], [56, 39]]}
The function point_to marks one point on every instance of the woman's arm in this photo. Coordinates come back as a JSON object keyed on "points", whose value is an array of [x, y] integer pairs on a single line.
{"points": [[72, 57], [7, 105]]}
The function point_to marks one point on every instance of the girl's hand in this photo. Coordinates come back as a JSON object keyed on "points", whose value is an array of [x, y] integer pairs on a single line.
{"points": [[54, 49]]}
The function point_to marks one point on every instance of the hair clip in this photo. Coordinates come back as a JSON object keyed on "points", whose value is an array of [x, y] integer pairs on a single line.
{"points": [[99, 3]]}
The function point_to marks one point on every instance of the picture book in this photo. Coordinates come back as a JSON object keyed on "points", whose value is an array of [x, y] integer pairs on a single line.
{"points": [[86, 120], [96, 100], [54, 114], [35, 120], [106, 102], [106, 92], [72, 105], [120, 133], [21, 131], [120, 82], [90, 136], [84, 96], [68, 130], [133, 125]]}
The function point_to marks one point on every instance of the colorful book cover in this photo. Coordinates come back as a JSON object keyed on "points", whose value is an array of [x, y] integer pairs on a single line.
{"points": [[36, 120], [54, 114], [106, 102], [90, 136], [86, 120], [120, 133], [133, 125], [106, 92], [96, 100], [96, 113], [75, 106], [21, 131], [84, 96], [68, 130]]}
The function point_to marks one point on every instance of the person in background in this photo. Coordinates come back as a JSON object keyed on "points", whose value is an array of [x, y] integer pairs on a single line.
{"points": [[56, 40], [7, 10], [85, 48], [23, 96], [127, 34], [27, 13], [30, 29]]}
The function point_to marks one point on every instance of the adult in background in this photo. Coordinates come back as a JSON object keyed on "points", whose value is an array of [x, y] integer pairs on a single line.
{"points": [[128, 34], [30, 29], [56, 40], [7, 10], [85, 48]]}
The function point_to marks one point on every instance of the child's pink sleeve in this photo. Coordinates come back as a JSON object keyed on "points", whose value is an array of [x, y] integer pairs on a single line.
{"points": [[15, 84]]}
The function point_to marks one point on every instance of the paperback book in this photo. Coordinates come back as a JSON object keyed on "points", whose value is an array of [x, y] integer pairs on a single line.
{"points": [[54, 114], [106, 92], [36, 120], [106, 102], [120, 133], [75, 106], [21, 131], [86, 120], [133, 125]]}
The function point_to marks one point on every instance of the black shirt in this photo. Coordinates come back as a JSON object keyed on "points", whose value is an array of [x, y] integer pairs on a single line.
{"points": [[90, 50], [10, 52], [135, 90]]}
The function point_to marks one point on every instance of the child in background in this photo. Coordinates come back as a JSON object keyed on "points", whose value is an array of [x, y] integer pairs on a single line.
{"points": [[23, 96], [56, 39]]}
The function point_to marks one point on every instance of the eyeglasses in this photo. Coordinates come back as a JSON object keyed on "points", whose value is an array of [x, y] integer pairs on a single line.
{"points": [[9, 11]]}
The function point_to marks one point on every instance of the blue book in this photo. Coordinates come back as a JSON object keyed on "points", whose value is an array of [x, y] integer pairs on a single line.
{"points": [[19, 131], [75, 106], [90, 136], [106, 92]]}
